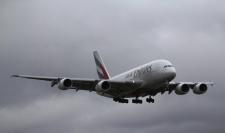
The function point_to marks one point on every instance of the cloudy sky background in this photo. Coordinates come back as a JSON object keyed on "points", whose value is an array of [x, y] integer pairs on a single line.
{"points": [[57, 38]]}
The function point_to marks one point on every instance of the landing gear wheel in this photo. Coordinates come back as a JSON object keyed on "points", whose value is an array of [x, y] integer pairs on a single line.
{"points": [[137, 101], [119, 100], [147, 100], [116, 99], [124, 101], [150, 100], [140, 101]]}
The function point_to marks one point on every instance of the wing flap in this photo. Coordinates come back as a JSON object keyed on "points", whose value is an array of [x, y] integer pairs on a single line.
{"points": [[84, 84]]}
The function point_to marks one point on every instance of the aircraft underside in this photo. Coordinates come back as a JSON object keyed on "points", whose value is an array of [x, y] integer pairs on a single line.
{"points": [[141, 92]]}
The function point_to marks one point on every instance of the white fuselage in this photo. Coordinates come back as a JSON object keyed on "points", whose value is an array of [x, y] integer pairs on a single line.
{"points": [[153, 74]]}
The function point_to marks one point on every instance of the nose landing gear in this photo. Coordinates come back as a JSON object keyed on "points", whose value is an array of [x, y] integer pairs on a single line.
{"points": [[150, 100]]}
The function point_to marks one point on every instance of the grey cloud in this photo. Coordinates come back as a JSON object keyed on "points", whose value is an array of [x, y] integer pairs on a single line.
{"points": [[56, 38]]}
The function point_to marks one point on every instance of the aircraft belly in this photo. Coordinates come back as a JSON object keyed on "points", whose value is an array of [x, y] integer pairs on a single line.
{"points": [[105, 94], [151, 84]]}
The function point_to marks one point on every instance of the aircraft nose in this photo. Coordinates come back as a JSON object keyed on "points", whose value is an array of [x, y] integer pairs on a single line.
{"points": [[171, 73]]}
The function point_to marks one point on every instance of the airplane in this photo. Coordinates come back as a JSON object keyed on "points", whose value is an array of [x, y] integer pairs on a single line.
{"points": [[144, 81]]}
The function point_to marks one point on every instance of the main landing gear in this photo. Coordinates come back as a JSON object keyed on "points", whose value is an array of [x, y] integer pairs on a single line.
{"points": [[137, 101], [120, 100]]}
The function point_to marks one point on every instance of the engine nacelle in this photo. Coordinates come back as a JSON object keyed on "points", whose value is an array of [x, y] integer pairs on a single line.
{"points": [[200, 88], [182, 89], [102, 86], [64, 84]]}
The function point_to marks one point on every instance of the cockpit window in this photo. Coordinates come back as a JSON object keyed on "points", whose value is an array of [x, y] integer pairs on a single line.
{"points": [[168, 66]]}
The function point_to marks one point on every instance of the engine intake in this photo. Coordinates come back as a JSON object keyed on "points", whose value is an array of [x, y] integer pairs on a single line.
{"points": [[65, 84], [103, 85], [182, 89], [200, 88]]}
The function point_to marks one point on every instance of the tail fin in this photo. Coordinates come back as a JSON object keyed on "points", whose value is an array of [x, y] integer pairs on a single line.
{"points": [[101, 69]]}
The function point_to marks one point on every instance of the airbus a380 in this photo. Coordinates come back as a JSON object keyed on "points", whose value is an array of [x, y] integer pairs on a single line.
{"points": [[143, 81]]}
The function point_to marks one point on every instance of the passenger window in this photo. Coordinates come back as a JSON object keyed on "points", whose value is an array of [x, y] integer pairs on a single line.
{"points": [[167, 66]]}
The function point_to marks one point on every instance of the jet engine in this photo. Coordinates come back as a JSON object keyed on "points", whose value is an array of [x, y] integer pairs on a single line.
{"points": [[200, 88], [64, 84], [182, 89], [102, 86]]}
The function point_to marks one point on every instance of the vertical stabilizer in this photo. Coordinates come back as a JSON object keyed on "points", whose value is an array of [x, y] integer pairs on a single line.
{"points": [[101, 69]]}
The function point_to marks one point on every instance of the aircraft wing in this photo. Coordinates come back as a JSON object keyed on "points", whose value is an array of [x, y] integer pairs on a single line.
{"points": [[117, 88], [80, 84], [190, 84], [172, 85], [36, 77]]}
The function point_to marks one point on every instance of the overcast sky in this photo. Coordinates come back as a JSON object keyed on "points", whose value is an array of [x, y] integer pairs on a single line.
{"points": [[57, 38]]}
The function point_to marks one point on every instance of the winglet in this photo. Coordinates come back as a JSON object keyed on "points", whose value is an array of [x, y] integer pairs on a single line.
{"points": [[101, 69]]}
